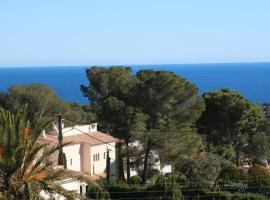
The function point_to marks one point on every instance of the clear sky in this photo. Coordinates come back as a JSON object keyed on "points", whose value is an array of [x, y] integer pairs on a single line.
{"points": [[87, 32]]}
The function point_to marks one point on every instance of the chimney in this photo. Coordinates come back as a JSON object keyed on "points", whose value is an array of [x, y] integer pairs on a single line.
{"points": [[43, 133], [63, 124], [55, 126], [93, 127]]}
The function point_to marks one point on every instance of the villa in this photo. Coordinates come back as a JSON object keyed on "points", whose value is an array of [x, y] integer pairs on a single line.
{"points": [[85, 155]]}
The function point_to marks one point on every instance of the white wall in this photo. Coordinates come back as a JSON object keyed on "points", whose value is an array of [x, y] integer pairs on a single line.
{"points": [[82, 128], [99, 166], [73, 157], [71, 184], [166, 169], [133, 173]]}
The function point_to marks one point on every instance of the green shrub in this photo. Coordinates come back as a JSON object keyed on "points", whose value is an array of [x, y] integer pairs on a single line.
{"points": [[226, 151], [260, 175], [232, 173], [151, 173], [96, 191], [260, 179], [202, 171], [164, 187], [124, 191], [135, 179], [233, 179], [223, 196]]}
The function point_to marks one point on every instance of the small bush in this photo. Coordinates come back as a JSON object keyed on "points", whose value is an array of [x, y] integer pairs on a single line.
{"points": [[96, 191], [135, 179], [201, 172], [202, 195], [164, 187], [233, 179], [260, 179], [232, 173]]}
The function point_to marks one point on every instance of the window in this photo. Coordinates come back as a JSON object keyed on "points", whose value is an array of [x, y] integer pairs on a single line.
{"points": [[93, 126], [70, 161], [96, 157], [80, 189], [104, 155]]}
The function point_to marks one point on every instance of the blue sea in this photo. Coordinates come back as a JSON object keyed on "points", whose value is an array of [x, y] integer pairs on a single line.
{"points": [[251, 79]]}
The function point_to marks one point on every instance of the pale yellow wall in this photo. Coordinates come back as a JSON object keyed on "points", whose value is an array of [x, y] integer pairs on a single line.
{"points": [[79, 129], [85, 158], [99, 167], [73, 152], [71, 184], [82, 158]]}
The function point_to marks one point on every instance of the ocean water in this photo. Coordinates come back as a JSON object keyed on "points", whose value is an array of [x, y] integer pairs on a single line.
{"points": [[251, 79]]}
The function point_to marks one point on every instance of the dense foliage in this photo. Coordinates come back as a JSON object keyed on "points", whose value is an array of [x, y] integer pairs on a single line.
{"points": [[41, 99], [149, 106], [201, 171], [218, 144], [162, 187], [229, 119], [25, 163], [162, 111]]}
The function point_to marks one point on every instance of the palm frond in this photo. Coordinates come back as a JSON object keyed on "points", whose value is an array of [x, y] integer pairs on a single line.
{"points": [[24, 163]]}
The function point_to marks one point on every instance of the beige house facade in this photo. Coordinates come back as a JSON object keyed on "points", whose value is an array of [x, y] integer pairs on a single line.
{"points": [[87, 149], [85, 155]]}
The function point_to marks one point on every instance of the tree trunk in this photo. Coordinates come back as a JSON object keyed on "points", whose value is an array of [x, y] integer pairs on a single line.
{"points": [[108, 164], [237, 151], [120, 162], [60, 141], [128, 161], [237, 157], [145, 164]]}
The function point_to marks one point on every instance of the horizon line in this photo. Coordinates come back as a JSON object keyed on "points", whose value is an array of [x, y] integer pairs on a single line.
{"points": [[134, 65]]}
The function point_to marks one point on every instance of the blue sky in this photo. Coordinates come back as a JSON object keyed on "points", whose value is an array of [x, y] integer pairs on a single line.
{"points": [[88, 32]]}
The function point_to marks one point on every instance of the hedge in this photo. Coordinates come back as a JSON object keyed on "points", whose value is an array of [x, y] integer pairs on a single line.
{"points": [[163, 188], [223, 196]]}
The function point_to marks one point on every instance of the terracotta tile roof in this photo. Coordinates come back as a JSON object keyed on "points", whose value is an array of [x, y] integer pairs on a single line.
{"points": [[93, 138]]}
